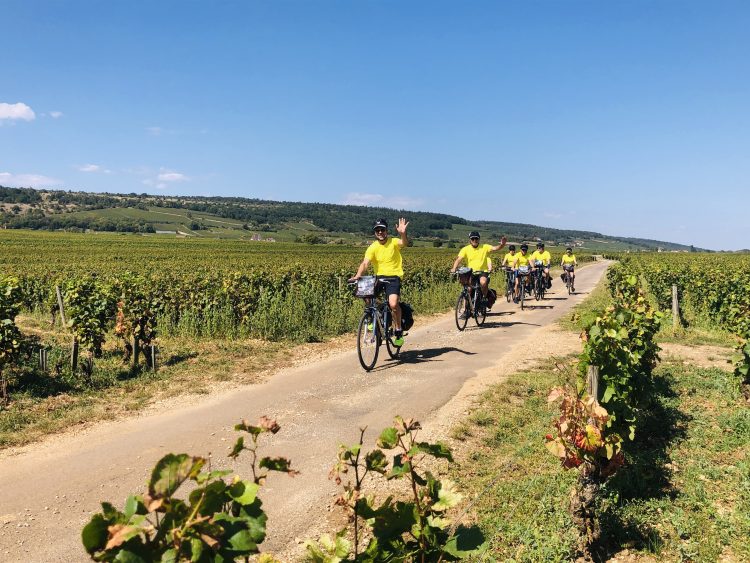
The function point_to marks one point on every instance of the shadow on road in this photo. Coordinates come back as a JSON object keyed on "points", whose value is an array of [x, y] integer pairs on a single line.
{"points": [[534, 307], [500, 313], [555, 298], [429, 354], [498, 324]]}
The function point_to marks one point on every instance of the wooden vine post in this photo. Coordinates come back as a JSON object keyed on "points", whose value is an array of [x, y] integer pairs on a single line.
{"points": [[592, 382], [74, 344], [675, 308]]}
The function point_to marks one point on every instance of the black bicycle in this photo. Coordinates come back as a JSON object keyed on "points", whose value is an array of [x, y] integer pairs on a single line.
{"points": [[524, 285], [567, 270], [510, 280], [471, 302], [375, 323], [539, 281]]}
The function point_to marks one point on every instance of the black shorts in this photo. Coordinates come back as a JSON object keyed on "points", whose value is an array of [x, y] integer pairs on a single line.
{"points": [[392, 285]]}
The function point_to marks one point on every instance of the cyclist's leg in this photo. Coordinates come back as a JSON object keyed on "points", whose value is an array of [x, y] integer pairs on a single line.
{"points": [[483, 284], [393, 291]]}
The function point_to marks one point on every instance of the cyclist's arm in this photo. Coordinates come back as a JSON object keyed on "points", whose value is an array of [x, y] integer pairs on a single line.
{"points": [[456, 263], [497, 247], [362, 268]]}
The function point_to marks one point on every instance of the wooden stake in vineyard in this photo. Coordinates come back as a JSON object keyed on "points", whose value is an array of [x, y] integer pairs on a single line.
{"points": [[675, 308], [74, 344]]}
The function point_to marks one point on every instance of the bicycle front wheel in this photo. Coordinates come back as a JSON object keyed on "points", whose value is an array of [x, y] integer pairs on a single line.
{"points": [[368, 342], [463, 308]]}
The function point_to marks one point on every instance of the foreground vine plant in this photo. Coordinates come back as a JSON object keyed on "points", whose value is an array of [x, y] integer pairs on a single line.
{"points": [[590, 437], [221, 519], [417, 529]]}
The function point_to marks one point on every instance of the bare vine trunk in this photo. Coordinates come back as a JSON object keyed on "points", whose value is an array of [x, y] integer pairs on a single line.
{"points": [[583, 510]]}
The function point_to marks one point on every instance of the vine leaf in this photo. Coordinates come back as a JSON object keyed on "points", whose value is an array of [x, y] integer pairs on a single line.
{"points": [[171, 471]]}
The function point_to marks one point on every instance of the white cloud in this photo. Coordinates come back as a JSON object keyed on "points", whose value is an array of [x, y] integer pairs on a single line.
{"points": [[398, 202], [404, 202], [16, 111], [357, 198], [154, 184], [27, 180], [56, 114], [170, 176], [155, 131], [166, 176], [93, 168]]}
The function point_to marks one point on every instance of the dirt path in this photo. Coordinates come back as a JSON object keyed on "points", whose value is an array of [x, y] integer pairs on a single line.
{"points": [[49, 491]]}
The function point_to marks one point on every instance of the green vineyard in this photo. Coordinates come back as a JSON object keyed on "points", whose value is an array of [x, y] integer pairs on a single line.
{"points": [[712, 287], [221, 288]]}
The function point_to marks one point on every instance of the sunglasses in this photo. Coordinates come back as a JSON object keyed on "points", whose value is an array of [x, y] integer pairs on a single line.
{"points": [[380, 230], [474, 238]]}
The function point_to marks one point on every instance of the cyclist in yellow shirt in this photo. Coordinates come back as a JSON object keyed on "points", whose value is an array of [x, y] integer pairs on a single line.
{"points": [[545, 258], [385, 256], [509, 257], [522, 267], [507, 266], [477, 258], [569, 264]]}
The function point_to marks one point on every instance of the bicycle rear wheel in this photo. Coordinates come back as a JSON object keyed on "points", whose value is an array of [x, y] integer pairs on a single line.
{"points": [[462, 311], [393, 350], [508, 289], [368, 341], [480, 311], [388, 335]]}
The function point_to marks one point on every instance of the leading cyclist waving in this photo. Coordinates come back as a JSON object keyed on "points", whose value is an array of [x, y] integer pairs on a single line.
{"points": [[385, 256]]}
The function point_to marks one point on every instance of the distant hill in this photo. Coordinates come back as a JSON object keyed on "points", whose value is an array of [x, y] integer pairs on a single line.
{"points": [[236, 217]]}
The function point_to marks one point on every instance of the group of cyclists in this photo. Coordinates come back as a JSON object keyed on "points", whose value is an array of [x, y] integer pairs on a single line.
{"points": [[384, 254]]}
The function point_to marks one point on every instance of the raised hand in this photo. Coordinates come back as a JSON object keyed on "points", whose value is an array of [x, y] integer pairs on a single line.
{"points": [[401, 227]]}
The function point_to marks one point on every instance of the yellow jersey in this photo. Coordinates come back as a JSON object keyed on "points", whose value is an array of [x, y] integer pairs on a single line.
{"points": [[509, 258], [569, 259], [476, 258], [386, 257], [545, 257], [521, 260]]}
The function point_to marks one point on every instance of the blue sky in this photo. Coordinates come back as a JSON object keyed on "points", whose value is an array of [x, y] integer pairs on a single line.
{"points": [[625, 117]]}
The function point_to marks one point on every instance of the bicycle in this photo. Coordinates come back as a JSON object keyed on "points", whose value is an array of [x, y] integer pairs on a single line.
{"points": [[567, 269], [375, 323], [471, 302], [510, 280], [539, 281], [522, 275]]}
